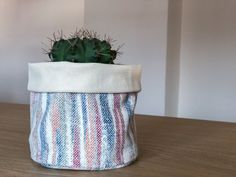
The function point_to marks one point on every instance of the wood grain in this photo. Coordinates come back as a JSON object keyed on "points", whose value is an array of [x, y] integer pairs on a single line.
{"points": [[168, 147]]}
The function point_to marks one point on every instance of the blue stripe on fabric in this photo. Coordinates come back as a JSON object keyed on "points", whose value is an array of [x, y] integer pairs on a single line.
{"points": [[109, 127], [62, 129], [129, 105], [59, 149], [44, 145], [130, 110], [84, 112], [74, 115]]}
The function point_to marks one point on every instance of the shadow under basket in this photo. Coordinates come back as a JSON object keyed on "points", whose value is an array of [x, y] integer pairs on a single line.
{"points": [[82, 115]]}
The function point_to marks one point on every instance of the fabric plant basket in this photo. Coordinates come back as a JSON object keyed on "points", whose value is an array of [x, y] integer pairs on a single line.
{"points": [[82, 114]]}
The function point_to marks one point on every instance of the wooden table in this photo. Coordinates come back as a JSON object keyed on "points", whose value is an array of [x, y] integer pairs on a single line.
{"points": [[169, 147]]}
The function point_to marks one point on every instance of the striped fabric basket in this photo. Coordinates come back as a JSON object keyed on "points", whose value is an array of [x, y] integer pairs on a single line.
{"points": [[82, 115]]}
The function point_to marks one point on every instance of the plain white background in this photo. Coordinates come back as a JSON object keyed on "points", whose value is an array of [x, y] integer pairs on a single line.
{"points": [[186, 47], [208, 60]]}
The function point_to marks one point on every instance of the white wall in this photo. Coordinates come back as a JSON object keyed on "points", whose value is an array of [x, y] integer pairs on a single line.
{"points": [[142, 26], [187, 48], [173, 57], [208, 60], [24, 24]]}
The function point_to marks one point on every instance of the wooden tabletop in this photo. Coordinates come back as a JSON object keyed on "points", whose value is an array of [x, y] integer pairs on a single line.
{"points": [[168, 147]]}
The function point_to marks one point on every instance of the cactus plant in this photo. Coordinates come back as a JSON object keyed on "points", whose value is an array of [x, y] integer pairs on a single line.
{"points": [[82, 47]]}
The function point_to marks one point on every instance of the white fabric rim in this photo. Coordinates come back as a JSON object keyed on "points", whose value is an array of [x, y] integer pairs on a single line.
{"points": [[83, 77]]}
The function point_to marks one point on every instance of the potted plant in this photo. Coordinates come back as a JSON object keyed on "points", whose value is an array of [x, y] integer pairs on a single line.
{"points": [[82, 105]]}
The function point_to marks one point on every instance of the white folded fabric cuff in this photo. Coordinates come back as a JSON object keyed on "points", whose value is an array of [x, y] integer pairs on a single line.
{"points": [[84, 77]]}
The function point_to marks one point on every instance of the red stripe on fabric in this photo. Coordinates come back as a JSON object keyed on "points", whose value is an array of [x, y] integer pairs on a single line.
{"points": [[39, 113], [133, 98], [99, 131], [76, 152], [91, 137], [55, 124], [122, 126], [118, 128]]}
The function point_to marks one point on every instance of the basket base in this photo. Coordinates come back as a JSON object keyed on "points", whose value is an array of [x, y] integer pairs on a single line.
{"points": [[85, 168]]}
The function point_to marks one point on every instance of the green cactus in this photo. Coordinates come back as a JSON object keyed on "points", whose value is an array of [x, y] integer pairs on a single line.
{"points": [[82, 47]]}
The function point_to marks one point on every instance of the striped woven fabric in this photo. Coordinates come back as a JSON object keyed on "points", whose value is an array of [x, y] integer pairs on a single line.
{"points": [[83, 131]]}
